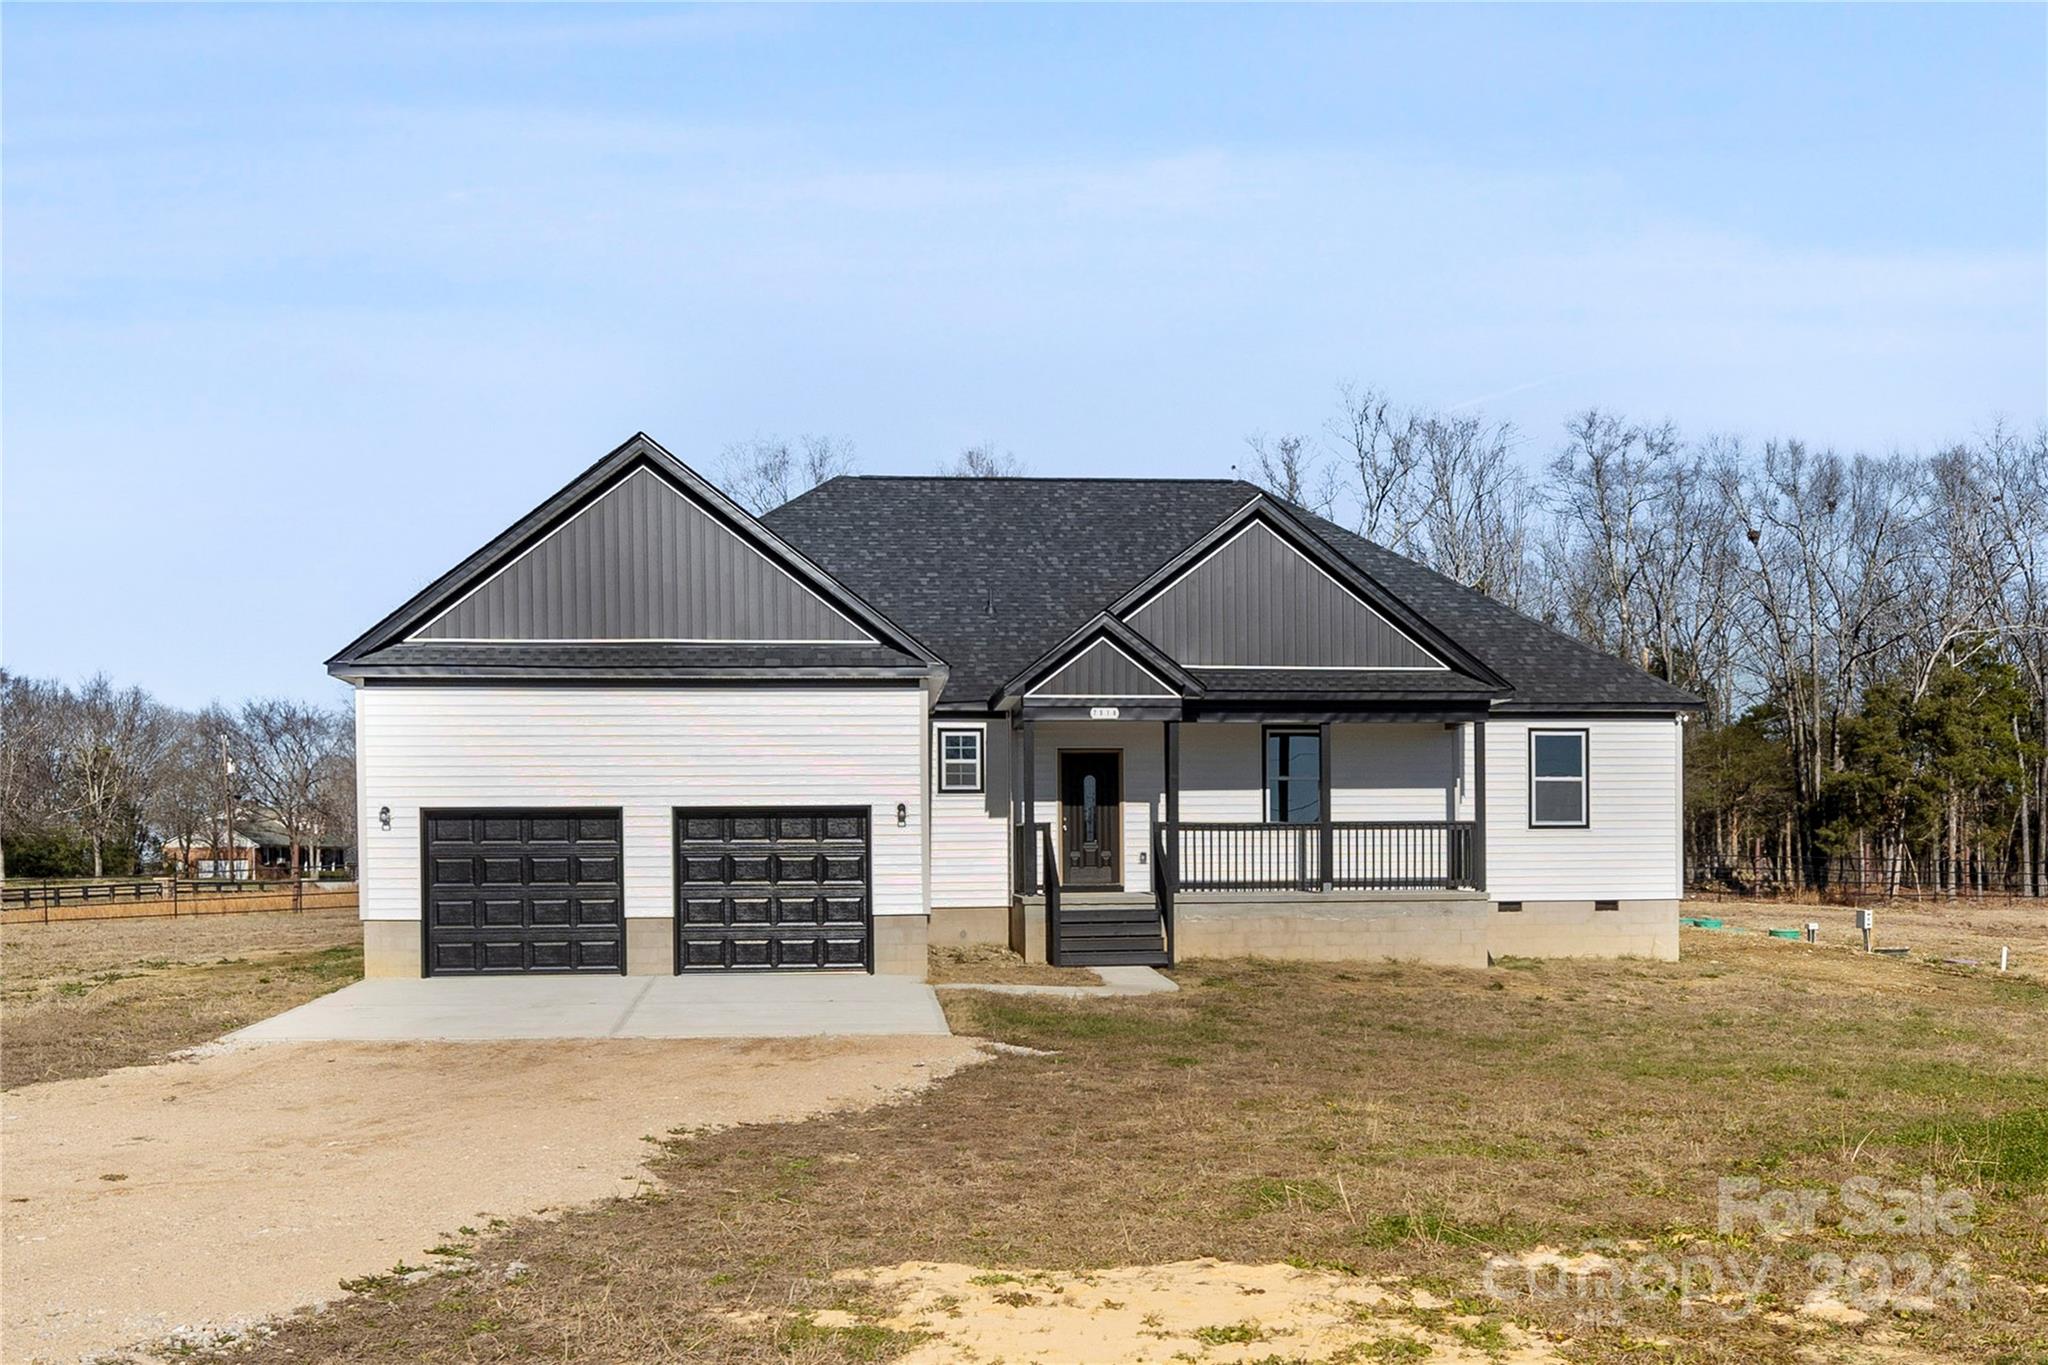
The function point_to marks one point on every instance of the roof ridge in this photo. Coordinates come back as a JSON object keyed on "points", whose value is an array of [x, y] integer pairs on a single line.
{"points": [[1023, 478]]}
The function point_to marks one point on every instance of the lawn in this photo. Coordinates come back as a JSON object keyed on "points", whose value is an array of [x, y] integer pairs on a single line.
{"points": [[83, 997], [1390, 1128]]}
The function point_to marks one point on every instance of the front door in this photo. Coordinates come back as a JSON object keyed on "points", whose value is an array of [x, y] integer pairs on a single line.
{"points": [[1091, 818]]}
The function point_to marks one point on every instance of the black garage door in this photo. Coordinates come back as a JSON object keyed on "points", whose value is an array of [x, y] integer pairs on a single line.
{"points": [[523, 891], [772, 889]]}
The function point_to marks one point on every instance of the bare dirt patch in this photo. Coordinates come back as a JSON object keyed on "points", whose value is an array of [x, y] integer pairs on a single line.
{"points": [[211, 1192], [1207, 1310], [83, 998], [1392, 1124], [988, 964]]}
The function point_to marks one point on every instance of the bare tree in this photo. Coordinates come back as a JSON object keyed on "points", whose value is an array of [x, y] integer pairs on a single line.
{"points": [[767, 471], [1470, 504], [1439, 487], [334, 788], [111, 745], [183, 801], [288, 745], [1290, 468], [29, 710], [1376, 444], [984, 461]]}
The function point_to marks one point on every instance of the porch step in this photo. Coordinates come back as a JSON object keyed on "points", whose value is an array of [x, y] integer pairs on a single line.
{"points": [[1114, 957], [1120, 914], [1110, 943], [1090, 933]]}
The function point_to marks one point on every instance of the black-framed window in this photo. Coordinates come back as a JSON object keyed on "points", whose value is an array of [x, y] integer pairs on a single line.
{"points": [[1294, 777], [960, 760], [1558, 779]]}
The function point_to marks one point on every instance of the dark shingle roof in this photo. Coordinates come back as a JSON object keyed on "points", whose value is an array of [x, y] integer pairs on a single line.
{"points": [[991, 573]]}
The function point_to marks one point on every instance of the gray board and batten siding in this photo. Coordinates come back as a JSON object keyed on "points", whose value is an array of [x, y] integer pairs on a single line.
{"points": [[643, 562], [1104, 670], [1258, 601]]}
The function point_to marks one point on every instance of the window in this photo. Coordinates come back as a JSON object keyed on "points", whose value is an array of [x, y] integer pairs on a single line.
{"points": [[1294, 777], [1557, 778], [960, 760]]}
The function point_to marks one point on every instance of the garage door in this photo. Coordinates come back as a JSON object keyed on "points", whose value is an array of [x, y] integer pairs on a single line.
{"points": [[769, 889], [523, 891]]}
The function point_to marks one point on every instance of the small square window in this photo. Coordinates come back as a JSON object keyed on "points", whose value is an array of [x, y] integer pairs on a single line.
{"points": [[960, 760]]}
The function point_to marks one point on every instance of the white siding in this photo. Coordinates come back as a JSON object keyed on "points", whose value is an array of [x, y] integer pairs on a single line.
{"points": [[970, 844], [1379, 772], [1629, 849], [1142, 744], [647, 751]]}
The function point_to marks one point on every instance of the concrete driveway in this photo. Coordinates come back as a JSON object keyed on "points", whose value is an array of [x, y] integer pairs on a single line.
{"points": [[712, 1005], [207, 1193]]}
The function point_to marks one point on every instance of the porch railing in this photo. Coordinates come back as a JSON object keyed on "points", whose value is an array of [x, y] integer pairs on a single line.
{"points": [[1364, 855], [1051, 888]]}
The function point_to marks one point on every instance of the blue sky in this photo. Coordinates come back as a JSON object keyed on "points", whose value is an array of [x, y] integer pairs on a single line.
{"points": [[301, 304]]}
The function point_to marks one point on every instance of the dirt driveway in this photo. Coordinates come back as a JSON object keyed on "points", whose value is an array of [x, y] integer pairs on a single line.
{"points": [[208, 1193]]}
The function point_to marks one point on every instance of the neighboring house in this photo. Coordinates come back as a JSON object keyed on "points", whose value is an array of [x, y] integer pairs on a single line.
{"points": [[262, 849], [1105, 720]]}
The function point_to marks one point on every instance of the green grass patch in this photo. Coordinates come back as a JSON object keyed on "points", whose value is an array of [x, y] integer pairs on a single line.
{"points": [[2008, 1150]]}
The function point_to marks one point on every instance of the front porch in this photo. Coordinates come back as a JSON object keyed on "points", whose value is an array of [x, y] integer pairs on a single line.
{"points": [[1137, 840]]}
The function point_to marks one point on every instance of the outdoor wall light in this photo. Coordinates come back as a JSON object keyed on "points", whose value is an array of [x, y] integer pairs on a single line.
{"points": [[902, 815], [384, 817]]}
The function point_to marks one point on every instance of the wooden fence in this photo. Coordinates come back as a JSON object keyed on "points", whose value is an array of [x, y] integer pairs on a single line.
{"points": [[166, 899]]}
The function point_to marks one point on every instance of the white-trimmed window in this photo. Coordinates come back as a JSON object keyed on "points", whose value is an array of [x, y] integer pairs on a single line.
{"points": [[960, 760], [1557, 779]]}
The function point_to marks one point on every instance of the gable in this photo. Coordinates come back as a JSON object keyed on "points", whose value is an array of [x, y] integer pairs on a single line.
{"points": [[643, 561], [1255, 601], [1103, 670]]}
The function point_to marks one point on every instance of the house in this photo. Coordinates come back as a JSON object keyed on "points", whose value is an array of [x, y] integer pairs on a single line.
{"points": [[1103, 720], [262, 849]]}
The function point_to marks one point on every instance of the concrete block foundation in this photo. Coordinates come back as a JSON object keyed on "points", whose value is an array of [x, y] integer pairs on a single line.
{"points": [[1646, 928], [650, 947], [1447, 929], [954, 925], [391, 948], [900, 942]]}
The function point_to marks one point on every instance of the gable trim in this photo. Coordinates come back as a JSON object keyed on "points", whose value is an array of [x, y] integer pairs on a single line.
{"points": [[1100, 627], [1167, 692], [579, 494], [634, 472], [1253, 523], [1404, 619]]}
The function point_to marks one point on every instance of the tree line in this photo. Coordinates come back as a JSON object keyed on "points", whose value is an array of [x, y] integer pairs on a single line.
{"points": [[96, 779], [1869, 632]]}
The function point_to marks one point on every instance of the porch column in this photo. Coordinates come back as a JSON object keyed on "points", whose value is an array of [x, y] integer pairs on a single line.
{"points": [[1016, 805], [1172, 843], [1325, 854], [1027, 869], [1478, 870]]}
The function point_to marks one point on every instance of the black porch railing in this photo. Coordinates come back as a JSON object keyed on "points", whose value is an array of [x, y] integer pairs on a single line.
{"points": [[1051, 888], [1364, 855]]}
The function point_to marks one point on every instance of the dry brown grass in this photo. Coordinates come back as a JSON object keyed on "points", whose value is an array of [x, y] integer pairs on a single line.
{"points": [[1385, 1120], [82, 998], [987, 964], [1970, 930]]}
